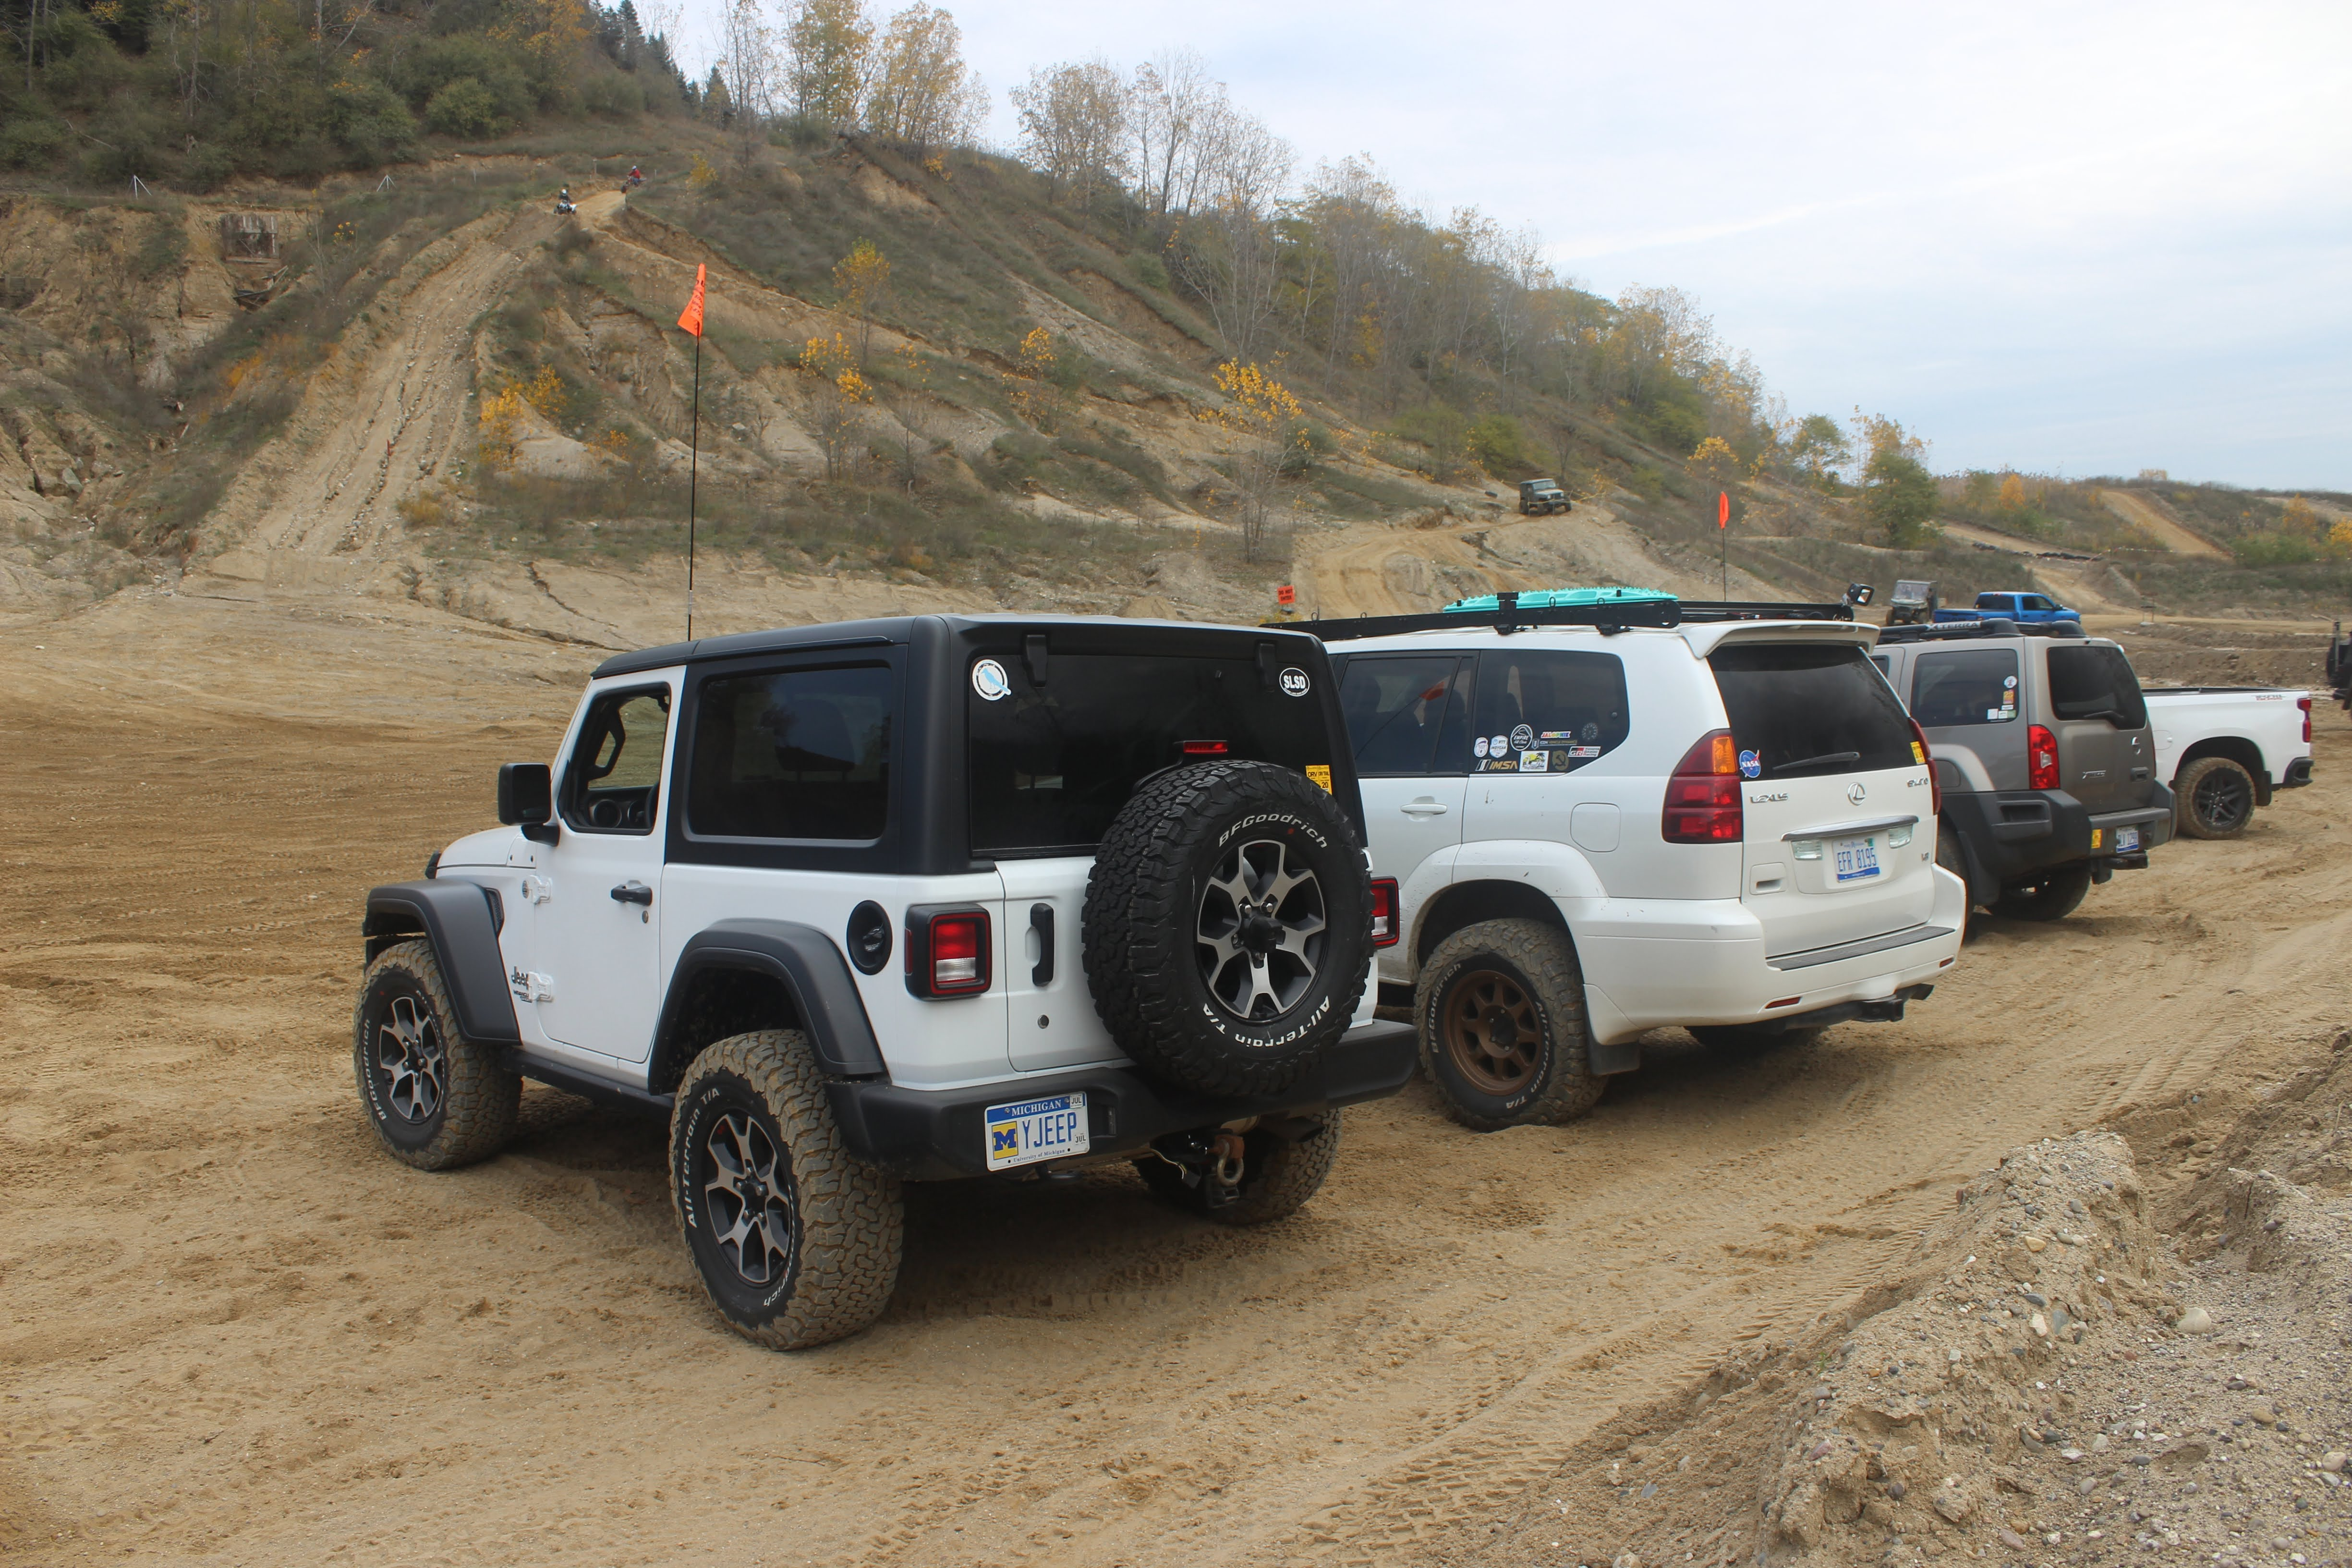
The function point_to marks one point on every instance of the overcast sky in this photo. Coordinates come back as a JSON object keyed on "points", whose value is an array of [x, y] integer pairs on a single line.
{"points": [[2075, 238]]}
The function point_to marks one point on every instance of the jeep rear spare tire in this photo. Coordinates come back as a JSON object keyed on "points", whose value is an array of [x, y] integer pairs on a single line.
{"points": [[1228, 927]]}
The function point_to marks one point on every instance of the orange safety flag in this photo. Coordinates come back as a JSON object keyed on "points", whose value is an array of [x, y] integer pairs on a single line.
{"points": [[690, 318], [1722, 498]]}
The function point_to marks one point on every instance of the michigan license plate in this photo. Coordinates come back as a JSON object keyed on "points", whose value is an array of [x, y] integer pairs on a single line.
{"points": [[1854, 858], [1029, 1131], [2127, 840]]}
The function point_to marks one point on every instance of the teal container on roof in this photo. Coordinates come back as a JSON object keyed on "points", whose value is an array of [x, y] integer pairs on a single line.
{"points": [[1563, 598]]}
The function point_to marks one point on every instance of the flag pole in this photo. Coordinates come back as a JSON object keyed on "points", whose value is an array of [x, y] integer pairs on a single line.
{"points": [[690, 321], [1722, 539], [693, 476]]}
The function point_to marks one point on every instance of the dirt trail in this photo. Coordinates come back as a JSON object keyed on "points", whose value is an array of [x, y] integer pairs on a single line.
{"points": [[2075, 583], [2147, 514], [237, 1334], [1385, 568]]}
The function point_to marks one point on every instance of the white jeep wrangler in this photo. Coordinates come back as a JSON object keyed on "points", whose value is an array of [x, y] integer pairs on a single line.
{"points": [[896, 900], [1611, 812]]}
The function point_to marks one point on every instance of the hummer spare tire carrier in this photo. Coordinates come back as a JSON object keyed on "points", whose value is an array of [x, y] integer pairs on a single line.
{"points": [[1227, 927]]}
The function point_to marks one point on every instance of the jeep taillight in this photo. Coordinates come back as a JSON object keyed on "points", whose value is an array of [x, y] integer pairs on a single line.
{"points": [[1703, 795], [947, 952], [1384, 911], [2041, 758], [2304, 703], [1928, 761]]}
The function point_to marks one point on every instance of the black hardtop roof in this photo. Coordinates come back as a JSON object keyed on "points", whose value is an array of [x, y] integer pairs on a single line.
{"points": [[1233, 641]]}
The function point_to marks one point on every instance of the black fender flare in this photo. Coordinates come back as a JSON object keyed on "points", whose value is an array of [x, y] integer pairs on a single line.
{"points": [[462, 921], [814, 973]]}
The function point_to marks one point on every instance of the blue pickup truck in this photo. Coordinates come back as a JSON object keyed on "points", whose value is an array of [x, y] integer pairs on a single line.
{"points": [[2025, 609]]}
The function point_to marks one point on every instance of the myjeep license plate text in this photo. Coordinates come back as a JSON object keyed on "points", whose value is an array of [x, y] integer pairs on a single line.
{"points": [[1029, 1131]]}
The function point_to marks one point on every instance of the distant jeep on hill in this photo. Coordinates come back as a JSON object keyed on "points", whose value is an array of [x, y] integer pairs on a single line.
{"points": [[1539, 497]]}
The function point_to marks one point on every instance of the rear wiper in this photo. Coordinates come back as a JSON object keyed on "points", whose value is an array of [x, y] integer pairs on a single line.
{"points": [[2115, 716], [1825, 757]]}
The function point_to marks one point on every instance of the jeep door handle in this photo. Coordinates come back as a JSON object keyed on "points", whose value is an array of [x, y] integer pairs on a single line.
{"points": [[1041, 921], [1425, 806], [634, 893]]}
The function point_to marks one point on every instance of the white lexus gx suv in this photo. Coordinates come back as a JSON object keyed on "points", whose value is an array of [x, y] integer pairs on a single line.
{"points": [[1610, 812]]}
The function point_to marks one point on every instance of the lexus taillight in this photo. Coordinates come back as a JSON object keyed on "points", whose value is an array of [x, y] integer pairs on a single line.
{"points": [[1384, 911], [2304, 703], [2041, 758], [1928, 761], [1703, 795], [947, 952]]}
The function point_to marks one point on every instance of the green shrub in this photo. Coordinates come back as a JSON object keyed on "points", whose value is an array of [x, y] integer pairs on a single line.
{"points": [[1501, 446], [2274, 550], [465, 108], [162, 245], [369, 119], [1148, 270], [32, 143]]}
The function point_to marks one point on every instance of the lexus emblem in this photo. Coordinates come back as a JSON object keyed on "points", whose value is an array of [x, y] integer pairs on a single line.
{"points": [[1854, 792]]}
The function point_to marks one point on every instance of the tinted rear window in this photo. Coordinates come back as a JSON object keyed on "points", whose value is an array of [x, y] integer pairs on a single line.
{"points": [[1805, 709], [2091, 682], [802, 754], [1051, 764], [1974, 687], [1397, 706]]}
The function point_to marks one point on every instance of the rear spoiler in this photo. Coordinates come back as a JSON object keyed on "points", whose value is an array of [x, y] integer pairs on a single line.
{"points": [[1610, 618]]}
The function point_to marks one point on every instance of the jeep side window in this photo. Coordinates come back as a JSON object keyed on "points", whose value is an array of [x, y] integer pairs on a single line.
{"points": [[613, 784], [2092, 682], [1974, 687], [1396, 708], [1542, 711], [794, 753]]}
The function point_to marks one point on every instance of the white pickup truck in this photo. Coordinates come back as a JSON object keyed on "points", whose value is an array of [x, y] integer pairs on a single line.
{"points": [[2225, 749]]}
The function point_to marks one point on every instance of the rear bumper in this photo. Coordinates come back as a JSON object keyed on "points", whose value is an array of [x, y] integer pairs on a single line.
{"points": [[2011, 834], [2298, 774], [1714, 969], [940, 1134]]}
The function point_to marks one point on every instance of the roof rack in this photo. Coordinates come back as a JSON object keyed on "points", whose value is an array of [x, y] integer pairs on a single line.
{"points": [[1990, 626], [1506, 618]]}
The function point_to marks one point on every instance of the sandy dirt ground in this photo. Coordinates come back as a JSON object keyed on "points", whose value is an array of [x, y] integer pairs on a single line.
{"points": [[231, 1331], [2148, 513]]}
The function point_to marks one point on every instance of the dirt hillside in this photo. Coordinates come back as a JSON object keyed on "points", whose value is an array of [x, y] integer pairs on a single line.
{"points": [[235, 1333]]}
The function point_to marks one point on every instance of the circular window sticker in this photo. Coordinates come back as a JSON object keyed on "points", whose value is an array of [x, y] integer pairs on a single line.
{"points": [[1751, 766], [1523, 737], [1593, 731], [1294, 682], [989, 679]]}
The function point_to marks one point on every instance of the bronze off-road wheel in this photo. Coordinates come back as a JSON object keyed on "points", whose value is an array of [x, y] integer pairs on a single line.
{"points": [[1501, 1012]]}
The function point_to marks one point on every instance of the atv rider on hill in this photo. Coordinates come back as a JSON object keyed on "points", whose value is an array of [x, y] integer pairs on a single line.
{"points": [[636, 177], [563, 201]]}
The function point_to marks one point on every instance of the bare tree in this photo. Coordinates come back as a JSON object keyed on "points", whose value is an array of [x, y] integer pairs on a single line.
{"points": [[1074, 126], [749, 70], [1169, 101]]}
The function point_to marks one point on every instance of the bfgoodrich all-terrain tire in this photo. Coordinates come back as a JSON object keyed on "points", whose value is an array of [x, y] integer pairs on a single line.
{"points": [[436, 1099], [1228, 927], [2216, 798], [1501, 1008], [1278, 1175], [2052, 896], [796, 1242]]}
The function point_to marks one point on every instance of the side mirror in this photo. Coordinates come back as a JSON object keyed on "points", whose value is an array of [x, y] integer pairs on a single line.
{"points": [[527, 799]]}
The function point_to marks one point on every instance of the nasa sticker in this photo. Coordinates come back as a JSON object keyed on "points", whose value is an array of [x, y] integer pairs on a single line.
{"points": [[988, 678], [1478, 747], [1523, 737], [1294, 682], [1751, 766]]}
